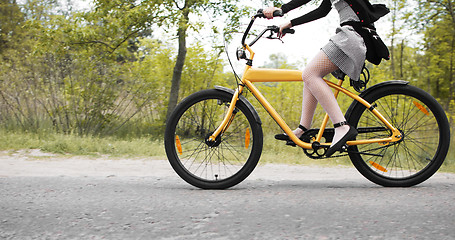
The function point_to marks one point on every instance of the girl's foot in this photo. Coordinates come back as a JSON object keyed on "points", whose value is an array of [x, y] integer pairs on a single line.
{"points": [[343, 133], [298, 132]]}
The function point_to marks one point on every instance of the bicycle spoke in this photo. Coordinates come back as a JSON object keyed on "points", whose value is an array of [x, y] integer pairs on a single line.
{"points": [[396, 163], [228, 154]]}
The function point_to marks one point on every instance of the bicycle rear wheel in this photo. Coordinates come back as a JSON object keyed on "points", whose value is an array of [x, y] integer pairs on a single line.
{"points": [[424, 127], [212, 165]]}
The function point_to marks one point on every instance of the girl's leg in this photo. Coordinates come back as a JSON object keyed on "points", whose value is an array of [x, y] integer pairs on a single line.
{"points": [[315, 86], [309, 103]]}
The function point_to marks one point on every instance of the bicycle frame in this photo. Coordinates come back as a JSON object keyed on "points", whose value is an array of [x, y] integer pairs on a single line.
{"points": [[252, 75]]}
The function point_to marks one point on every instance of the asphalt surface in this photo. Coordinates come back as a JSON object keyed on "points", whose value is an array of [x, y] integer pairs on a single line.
{"points": [[276, 202]]}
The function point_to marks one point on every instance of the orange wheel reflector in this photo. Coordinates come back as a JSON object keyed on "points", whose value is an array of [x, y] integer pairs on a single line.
{"points": [[247, 138], [421, 108], [178, 144], [377, 166]]}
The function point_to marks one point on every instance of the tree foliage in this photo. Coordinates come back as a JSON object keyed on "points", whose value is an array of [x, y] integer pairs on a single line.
{"points": [[96, 72], [422, 47]]}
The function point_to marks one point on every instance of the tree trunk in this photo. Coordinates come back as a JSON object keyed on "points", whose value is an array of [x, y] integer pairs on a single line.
{"points": [[178, 68], [451, 74], [392, 42], [401, 59]]}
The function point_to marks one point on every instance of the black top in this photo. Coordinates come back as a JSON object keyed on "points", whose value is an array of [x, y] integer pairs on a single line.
{"points": [[319, 12], [368, 13]]}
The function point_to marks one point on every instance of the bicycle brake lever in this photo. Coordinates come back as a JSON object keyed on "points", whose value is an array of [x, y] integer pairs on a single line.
{"points": [[272, 37]]}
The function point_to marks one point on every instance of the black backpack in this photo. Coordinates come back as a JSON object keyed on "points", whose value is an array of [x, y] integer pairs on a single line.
{"points": [[368, 14]]}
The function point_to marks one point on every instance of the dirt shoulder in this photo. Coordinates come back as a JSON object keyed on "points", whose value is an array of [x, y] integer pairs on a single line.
{"points": [[36, 163]]}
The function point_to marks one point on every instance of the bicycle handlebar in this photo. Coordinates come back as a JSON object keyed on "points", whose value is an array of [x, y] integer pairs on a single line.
{"points": [[275, 29]]}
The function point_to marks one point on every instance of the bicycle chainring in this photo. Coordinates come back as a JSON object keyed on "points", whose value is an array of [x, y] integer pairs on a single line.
{"points": [[310, 136]]}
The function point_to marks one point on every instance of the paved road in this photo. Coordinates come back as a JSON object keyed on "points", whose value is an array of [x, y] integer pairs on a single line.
{"points": [[276, 202]]}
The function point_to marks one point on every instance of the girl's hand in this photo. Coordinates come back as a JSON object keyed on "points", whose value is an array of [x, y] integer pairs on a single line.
{"points": [[282, 27], [268, 12]]}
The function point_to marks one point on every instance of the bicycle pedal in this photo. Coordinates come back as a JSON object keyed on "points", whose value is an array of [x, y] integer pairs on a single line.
{"points": [[291, 143]]}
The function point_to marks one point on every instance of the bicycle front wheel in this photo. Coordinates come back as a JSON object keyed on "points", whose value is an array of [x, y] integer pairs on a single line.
{"points": [[423, 147], [212, 165]]}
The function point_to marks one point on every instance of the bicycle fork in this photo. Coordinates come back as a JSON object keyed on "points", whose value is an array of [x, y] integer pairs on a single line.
{"points": [[229, 117]]}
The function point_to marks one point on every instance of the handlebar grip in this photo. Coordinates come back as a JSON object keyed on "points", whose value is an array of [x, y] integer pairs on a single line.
{"points": [[276, 13], [288, 30]]}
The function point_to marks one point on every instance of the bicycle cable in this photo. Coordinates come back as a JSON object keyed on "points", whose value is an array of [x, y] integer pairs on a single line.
{"points": [[236, 76]]}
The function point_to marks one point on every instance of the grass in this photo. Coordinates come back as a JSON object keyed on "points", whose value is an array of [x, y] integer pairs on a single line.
{"points": [[85, 146], [154, 148], [140, 147]]}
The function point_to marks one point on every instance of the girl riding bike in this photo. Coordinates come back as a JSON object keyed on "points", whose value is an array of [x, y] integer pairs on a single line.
{"points": [[345, 51], [214, 137]]}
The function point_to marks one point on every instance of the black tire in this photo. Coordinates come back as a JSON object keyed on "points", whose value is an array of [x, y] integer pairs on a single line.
{"points": [[422, 122], [212, 166]]}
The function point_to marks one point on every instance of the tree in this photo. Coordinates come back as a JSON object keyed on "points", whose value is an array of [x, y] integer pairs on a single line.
{"points": [[436, 20], [136, 16], [180, 12], [422, 48], [10, 20], [114, 23]]}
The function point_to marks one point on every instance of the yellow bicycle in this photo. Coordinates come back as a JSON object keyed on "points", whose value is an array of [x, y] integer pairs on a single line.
{"points": [[214, 139]]}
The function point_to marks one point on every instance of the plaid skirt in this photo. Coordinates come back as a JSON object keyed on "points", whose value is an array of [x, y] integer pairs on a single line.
{"points": [[347, 51]]}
